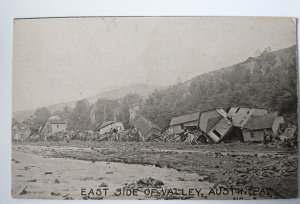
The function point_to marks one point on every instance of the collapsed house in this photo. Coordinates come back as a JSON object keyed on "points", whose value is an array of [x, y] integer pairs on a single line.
{"points": [[20, 131], [239, 123], [147, 130], [180, 123], [110, 126], [215, 124], [240, 115], [258, 128], [53, 125]]}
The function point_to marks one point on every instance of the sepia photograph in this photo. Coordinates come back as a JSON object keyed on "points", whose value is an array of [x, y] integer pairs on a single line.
{"points": [[154, 108]]}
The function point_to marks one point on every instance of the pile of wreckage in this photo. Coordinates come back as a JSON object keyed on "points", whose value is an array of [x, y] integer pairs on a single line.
{"points": [[55, 129], [120, 136], [239, 123], [210, 126], [24, 132]]}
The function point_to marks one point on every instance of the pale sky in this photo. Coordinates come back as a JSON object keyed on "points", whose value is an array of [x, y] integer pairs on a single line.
{"points": [[65, 59]]}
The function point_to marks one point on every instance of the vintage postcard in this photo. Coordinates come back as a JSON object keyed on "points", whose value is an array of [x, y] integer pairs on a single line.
{"points": [[155, 108]]}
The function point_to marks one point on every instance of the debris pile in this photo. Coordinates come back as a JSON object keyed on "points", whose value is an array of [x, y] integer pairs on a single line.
{"points": [[34, 138], [121, 136], [191, 137], [145, 183], [170, 137], [291, 142], [63, 135], [200, 138], [129, 136]]}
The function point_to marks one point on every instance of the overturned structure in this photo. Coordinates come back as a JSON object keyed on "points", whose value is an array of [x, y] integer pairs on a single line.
{"points": [[240, 115], [20, 131], [180, 123], [147, 130], [109, 126], [258, 128], [215, 124]]}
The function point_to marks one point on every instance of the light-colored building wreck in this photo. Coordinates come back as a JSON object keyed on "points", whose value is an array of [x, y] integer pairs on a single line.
{"points": [[147, 130], [178, 124]]}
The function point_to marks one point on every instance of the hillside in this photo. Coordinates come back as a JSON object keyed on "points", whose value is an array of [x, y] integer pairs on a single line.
{"points": [[269, 80], [140, 89]]}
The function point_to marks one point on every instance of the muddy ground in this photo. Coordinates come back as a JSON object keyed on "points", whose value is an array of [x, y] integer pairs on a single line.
{"points": [[60, 170]]}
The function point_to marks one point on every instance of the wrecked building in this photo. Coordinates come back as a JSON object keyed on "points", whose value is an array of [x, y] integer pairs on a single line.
{"points": [[20, 131], [110, 126], [53, 125], [215, 124], [257, 128], [240, 115], [147, 130], [189, 121]]}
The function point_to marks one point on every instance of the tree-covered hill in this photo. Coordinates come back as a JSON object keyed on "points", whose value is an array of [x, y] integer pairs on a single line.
{"points": [[269, 81]]}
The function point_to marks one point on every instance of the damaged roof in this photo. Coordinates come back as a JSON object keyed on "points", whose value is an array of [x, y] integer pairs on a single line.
{"points": [[261, 122], [208, 119], [106, 124], [212, 122], [144, 125], [185, 118], [52, 120], [241, 115], [215, 124]]}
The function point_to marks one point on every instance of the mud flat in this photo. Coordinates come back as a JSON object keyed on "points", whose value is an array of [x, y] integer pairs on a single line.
{"points": [[59, 178], [63, 172]]}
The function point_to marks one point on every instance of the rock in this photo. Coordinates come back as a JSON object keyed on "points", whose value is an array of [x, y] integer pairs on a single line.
{"points": [[206, 178], [55, 194], [56, 181], [109, 172], [67, 197], [15, 161], [32, 180], [180, 179], [103, 185], [23, 191], [87, 178], [150, 182], [99, 178], [48, 172], [158, 165]]}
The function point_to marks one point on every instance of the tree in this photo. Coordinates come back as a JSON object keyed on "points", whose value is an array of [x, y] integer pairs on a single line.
{"points": [[41, 116], [124, 115], [106, 110], [269, 81], [66, 112], [124, 111], [131, 99], [80, 118]]}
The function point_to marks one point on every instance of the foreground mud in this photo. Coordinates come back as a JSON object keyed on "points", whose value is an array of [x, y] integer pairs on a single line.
{"points": [[64, 170]]}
